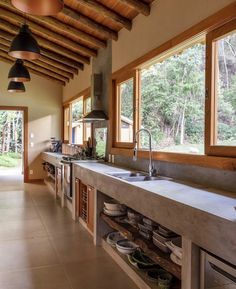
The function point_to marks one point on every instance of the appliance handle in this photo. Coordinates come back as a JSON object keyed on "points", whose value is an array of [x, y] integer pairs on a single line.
{"points": [[222, 272]]}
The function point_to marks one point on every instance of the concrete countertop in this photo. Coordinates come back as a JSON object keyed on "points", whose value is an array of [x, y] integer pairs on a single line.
{"points": [[204, 215], [56, 155]]}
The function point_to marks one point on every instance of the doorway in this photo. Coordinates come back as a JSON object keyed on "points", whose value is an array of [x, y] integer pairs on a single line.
{"points": [[13, 142]]}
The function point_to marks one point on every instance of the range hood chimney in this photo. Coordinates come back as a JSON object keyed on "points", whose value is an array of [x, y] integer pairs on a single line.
{"points": [[96, 114]]}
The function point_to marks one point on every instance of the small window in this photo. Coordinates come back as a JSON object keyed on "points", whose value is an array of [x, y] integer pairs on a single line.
{"points": [[77, 127], [66, 123], [125, 110], [87, 105], [172, 102], [226, 90]]}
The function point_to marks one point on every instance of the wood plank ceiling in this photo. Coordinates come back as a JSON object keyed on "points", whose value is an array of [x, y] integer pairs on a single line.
{"points": [[69, 39]]}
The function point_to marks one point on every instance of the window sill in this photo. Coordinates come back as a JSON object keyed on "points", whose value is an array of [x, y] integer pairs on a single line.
{"points": [[216, 162]]}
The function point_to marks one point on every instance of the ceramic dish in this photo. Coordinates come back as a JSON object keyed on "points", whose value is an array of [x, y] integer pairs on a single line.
{"points": [[160, 245], [126, 247], [140, 262], [146, 235], [113, 205], [144, 228], [166, 232], [114, 213], [175, 259], [162, 238], [175, 247], [152, 275], [113, 238], [133, 216], [149, 222], [164, 280]]}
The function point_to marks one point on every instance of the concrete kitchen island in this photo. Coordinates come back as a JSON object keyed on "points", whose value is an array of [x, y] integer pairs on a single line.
{"points": [[203, 217]]}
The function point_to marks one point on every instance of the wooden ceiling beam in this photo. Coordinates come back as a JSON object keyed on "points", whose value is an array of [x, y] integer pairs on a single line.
{"points": [[57, 65], [36, 67], [10, 61], [59, 26], [5, 48], [106, 12], [86, 21], [138, 5], [13, 29], [36, 29]]}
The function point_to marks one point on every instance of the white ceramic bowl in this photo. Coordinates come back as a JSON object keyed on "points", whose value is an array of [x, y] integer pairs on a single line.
{"points": [[126, 247], [113, 205], [175, 259], [175, 247], [114, 237]]}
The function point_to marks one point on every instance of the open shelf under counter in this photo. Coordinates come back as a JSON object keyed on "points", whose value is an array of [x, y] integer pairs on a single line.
{"points": [[147, 246]]}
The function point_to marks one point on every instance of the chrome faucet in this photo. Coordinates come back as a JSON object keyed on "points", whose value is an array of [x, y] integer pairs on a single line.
{"points": [[151, 169]]}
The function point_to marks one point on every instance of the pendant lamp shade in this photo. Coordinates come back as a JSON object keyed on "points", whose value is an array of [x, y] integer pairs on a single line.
{"points": [[39, 7], [24, 45], [19, 72], [16, 87]]}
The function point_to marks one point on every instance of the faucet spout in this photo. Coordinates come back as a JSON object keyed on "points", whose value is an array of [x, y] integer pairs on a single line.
{"points": [[151, 169]]}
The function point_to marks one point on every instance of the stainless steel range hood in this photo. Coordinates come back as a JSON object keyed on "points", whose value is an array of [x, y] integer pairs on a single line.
{"points": [[96, 114]]}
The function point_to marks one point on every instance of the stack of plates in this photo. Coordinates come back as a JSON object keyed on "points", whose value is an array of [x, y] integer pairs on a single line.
{"points": [[114, 209], [161, 236], [146, 228], [176, 250], [133, 217]]}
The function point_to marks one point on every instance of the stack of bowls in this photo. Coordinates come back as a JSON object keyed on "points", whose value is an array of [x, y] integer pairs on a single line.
{"points": [[161, 236], [146, 228], [114, 209]]}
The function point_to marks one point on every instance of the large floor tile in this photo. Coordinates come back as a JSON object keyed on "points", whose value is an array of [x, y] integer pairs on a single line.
{"points": [[41, 278], [22, 229], [15, 203], [76, 248], [54, 212], [12, 214], [27, 253], [99, 273]]}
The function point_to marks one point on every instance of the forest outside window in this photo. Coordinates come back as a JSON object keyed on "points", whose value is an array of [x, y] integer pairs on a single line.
{"points": [[125, 111], [77, 126], [172, 101]]}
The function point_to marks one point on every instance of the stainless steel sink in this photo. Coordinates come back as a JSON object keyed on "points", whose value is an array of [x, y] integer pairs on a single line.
{"points": [[137, 177]]}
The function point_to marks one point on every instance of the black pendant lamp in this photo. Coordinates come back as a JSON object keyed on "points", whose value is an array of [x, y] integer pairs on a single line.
{"points": [[24, 45], [39, 7], [16, 87], [19, 72]]}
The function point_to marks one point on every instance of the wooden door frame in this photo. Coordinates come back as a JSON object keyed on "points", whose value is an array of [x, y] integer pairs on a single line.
{"points": [[24, 109]]}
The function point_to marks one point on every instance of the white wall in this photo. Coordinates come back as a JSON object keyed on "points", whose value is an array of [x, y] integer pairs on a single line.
{"points": [[44, 101], [78, 84], [168, 18]]}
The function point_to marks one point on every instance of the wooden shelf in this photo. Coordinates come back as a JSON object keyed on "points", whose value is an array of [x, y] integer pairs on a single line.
{"points": [[138, 276], [147, 246]]}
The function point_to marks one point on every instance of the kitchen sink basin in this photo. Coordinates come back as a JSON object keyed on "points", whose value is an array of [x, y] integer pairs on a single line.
{"points": [[137, 177]]}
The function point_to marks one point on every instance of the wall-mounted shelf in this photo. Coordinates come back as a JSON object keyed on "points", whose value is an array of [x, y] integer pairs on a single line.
{"points": [[147, 246]]}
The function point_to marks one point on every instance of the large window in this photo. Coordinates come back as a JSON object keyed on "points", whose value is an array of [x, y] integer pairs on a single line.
{"points": [[185, 96], [172, 101], [77, 126]]}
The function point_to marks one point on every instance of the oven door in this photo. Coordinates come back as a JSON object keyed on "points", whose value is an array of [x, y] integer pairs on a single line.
{"points": [[216, 273]]}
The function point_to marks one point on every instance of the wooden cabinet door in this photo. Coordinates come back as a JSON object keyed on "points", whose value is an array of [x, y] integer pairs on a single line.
{"points": [[90, 222]]}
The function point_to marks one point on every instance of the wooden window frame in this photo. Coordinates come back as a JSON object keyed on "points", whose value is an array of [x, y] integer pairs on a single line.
{"points": [[220, 159], [117, 83], [85, 94], [211, 148]]}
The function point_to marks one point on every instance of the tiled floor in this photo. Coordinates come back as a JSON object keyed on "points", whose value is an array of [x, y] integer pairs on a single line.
{"points": [[42, 248]]}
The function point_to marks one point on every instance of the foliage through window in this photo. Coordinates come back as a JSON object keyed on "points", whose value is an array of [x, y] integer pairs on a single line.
{"points": [[226, 90], [125, 111], [172, 102], [77, 127]]}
